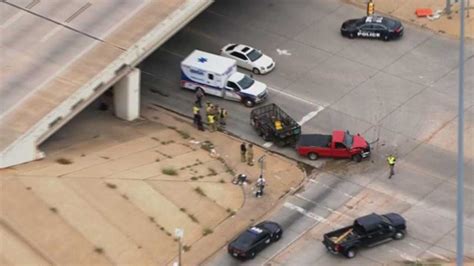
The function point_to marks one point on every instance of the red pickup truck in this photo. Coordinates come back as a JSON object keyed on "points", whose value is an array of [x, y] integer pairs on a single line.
{"points": [[341, 144]]}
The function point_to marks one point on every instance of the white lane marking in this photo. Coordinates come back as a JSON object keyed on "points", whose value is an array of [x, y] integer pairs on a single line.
{"points": [[304, 212], [310, 115], [326, 186], [12, 20], [283, 52], [277, 90], [51, 33]]}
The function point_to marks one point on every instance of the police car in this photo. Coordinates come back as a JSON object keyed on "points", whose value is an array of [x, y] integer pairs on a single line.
{"points": [[375, 27], [255, 239]]}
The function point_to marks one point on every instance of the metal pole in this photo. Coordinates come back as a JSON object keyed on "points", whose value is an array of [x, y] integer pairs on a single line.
{"points": [[460, 166], [179, 253]]}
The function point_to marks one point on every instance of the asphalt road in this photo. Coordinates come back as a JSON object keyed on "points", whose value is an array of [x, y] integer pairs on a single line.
{"points": [[402, 93]]}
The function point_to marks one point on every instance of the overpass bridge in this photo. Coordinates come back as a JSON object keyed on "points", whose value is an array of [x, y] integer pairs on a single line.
{"points": [[58, 56]]}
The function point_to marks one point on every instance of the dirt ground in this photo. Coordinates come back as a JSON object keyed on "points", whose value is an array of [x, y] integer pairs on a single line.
{"points": [[113, 192], [405, 11]]}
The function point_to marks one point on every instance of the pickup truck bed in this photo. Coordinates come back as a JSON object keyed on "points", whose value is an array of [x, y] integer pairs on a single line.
{"points": [[314, 140]]}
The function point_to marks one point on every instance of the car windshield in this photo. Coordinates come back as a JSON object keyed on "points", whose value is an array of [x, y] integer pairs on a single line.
{"points": [[254, 55], [231, 47], [348, 140], [246, 239], [246, 82]]}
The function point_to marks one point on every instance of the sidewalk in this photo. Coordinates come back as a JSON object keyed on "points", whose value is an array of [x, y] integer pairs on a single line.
{"points": [[405, 11], [113, 192]]}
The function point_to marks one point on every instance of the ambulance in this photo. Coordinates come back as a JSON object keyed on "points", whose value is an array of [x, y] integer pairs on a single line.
{"points": [[218, 76]]}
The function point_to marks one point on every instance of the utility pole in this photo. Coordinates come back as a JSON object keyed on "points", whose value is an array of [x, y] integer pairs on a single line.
{"points": [[179, 234], [460, 161], [261, 161]]}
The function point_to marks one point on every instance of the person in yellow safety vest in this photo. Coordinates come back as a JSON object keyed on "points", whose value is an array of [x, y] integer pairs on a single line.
{"points": [[196, 111], [212, 123], [209, 108], [370, 8], [391, 159]]}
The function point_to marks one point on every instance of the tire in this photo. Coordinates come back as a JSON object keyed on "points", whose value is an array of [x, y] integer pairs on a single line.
{"points": [[351, 253], [351, 35], [357, 158], [276, 237], [386, 38], [248, 103], [266, 137], [313, 156], [399, 235], [256, 71], [200, 89], [252, 255]]}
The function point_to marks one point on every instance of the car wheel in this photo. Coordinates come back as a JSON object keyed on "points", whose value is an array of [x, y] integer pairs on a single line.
{"points": [[201, 90], [266, 137], [249, 103], [351, 35], [357, 158], [277, 237], [385, 38], [399, 235], [256, 71], [313, 156], [351, 253], [252, 254]]}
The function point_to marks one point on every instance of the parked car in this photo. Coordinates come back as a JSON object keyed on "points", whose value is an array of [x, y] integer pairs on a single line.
{"points": [[341, 144], [249, 58], [375, 27], [253, 240], [273, 124], [217, 75], [366, 231]]}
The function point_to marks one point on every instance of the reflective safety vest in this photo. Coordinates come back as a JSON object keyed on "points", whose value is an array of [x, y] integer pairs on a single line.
{"points": [[195, 110], [278, 125], [210, 119], [391, 160]]}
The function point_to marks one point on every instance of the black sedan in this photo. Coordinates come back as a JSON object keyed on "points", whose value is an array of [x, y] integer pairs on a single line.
{"points": [[254, 239], [374, 27]]}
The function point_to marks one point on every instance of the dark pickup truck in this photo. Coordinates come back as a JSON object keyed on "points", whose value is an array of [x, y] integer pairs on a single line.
{"points": [[341, 144], [366, 231]]}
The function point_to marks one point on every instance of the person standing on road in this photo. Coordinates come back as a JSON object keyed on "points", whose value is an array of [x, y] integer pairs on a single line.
{"points": [[196, 111], [260, 186], [250, 155], [243, 151], [211, 122], [222, 116], [391, 159], [209, 107], [198, 118], [199, 96]]}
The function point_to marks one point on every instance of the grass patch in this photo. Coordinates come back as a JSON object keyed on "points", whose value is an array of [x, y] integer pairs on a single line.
{"points": [[201, 176], [207, 145], [194, 178], [152, 219], [155, 138], [193, 218], [125, 196], [54, 210], [64, 161], [230, 211], [168, 233], [98, 250], [212, 172], [200, 191], [162, 228], [207, 231], [169, 171], [186, 248], [182, 209], [222, 181], [111, 186], [172, 127], [157, 159], [183, 134]]}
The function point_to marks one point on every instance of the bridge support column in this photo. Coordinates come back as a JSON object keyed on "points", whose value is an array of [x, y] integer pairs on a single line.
{"points": [[127, 96]]}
